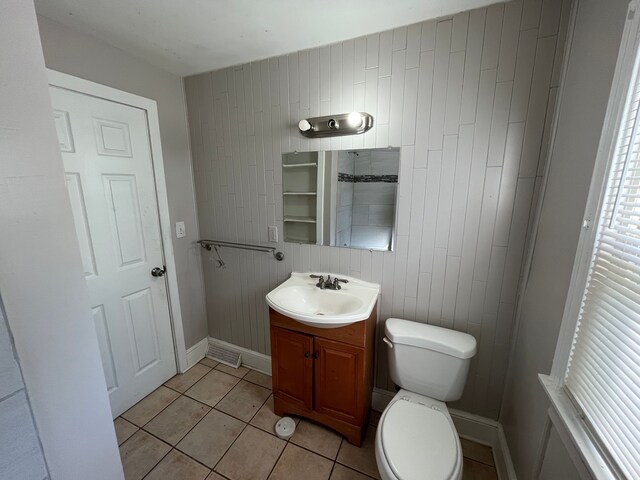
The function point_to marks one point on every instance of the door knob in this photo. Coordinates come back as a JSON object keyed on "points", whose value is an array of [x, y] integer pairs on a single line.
{"points": [[158, 272]]}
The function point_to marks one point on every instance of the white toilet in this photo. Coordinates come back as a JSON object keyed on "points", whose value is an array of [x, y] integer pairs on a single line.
{"points": [[416, 438]]}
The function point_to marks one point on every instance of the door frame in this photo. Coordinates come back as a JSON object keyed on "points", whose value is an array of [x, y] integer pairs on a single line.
{"points": [[86, 87]]}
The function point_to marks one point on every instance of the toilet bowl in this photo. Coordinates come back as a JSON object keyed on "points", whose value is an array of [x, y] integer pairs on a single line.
{"points": [[416, 438]]}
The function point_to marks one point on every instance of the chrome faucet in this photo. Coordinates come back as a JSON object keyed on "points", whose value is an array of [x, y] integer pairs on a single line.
{"points": [[329, 283], [320, 283]]}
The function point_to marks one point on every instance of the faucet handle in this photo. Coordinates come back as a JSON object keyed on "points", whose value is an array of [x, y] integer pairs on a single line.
{"points": [[336, 283], [313, 275], [320, 278]]}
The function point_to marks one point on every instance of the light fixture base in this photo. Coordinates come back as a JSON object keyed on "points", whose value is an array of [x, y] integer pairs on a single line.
{"points": [[336, 125]]}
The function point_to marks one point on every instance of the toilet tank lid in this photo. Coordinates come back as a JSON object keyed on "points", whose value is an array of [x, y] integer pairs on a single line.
{"points": [[443, 340]]}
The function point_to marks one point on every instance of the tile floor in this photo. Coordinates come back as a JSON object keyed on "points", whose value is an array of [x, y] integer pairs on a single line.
{"points": [[216, 423]]}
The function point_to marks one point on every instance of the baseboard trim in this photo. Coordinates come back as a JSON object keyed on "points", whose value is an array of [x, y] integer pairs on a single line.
{"points": [[255, 360], [502, 457], [472, 427], [196, 353], [381, 398]]}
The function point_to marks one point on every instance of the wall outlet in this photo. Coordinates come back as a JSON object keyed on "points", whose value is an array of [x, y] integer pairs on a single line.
{"points": [[273, 234], [181, 231]]}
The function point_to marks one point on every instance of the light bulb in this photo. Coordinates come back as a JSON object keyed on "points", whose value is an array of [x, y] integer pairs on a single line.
{"points": [[354, 119], [304, 125]]}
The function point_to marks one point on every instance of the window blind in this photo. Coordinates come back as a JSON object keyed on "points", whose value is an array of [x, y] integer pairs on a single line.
{"points": [[603, 373]]}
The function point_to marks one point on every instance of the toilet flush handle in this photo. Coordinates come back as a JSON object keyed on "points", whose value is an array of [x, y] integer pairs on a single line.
{"points": [[387, 341]]}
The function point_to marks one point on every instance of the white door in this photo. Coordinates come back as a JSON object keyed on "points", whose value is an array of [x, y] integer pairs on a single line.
{"points": [[109, 174]]}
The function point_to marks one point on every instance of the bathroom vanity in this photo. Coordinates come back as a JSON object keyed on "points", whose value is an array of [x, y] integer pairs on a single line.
{"points": [[324, 374], [320, 371]]}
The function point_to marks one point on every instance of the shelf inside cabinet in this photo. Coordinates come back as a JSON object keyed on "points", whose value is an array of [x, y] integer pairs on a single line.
{"points": [[297, 165], [296, 218], [299, 232]]}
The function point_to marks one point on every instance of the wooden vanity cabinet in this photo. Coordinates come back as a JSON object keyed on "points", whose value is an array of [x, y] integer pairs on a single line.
{"points": [[324, 374], [292, 371]]}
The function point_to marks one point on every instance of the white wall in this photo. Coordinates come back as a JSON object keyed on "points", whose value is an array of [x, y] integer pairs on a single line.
{"points": [[589, 73], [466, 98], [556, 463], [20, 451], [87, 57], [41, 278]]}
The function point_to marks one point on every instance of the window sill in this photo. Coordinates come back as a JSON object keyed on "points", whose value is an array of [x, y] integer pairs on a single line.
{"points": [[572, 427]]}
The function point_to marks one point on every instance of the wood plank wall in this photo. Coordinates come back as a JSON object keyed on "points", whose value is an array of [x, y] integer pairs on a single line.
{"points": [[469, 100]]}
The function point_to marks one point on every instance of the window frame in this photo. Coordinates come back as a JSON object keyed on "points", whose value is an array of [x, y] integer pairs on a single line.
{"points": [[630, 44], [595, 458]]}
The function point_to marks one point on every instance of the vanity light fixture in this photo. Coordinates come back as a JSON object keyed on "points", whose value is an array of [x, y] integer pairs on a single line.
{"points": [[353, 123]]}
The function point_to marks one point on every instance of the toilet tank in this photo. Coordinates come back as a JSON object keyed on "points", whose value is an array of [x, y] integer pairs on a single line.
{"points": [[428, 360]]}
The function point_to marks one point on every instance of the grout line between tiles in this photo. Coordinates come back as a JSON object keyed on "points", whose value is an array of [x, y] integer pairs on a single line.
{"points": [[256, 412], [163, 409], [198, 422], [278, 459], [246, 424], [173, 448], [316, 453], [229, 447], [158, 462], [181, 438], [333, 467]]}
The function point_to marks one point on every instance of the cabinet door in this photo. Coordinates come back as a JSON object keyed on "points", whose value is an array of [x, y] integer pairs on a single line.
{"points": [[339, 380], [292, 366]]}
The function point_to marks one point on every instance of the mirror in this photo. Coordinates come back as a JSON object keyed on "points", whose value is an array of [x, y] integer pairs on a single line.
{"points": [[341, 198]]}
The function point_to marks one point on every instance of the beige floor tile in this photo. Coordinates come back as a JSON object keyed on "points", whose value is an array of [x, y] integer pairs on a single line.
{"points": [[259, 379], [252, 456], [374, 418], [178, 466], [175, 421], [212, 387], [317, 438], [362, 459], [150, 406], [140, 454], [236, 372], [340, 472], [208, 362], [182, 382], [210, 439], [477, 452], [124, 429], [472, 470], [244, 400], [215, 476], [296, 462], [266, 419]]}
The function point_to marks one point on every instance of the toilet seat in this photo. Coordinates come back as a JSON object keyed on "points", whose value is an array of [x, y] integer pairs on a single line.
{"points": [[418, 440]]}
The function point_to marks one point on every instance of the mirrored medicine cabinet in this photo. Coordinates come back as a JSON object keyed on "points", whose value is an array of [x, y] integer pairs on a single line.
{"points": [[341, 198]]}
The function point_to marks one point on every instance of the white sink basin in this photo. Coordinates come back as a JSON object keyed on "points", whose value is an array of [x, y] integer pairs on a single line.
{"points": [[300, 299]]}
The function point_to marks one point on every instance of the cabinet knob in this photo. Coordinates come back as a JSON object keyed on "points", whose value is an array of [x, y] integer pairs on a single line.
{"points": [[316, 354], [306, 354]]}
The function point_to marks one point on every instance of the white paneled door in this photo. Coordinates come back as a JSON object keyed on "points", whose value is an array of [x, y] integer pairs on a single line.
{"points": [[109, 175]]}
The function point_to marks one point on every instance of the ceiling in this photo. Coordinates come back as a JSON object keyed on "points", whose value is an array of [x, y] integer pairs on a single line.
{"points": [[192, 36]]}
